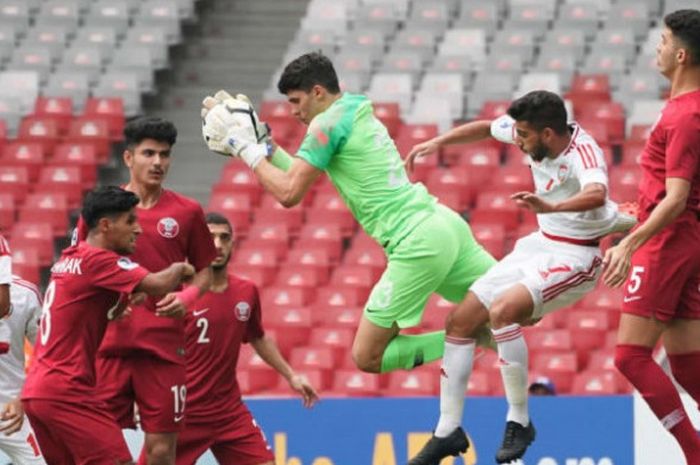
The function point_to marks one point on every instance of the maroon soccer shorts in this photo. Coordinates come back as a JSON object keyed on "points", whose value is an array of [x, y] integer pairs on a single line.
{"points": [[664, 280], [76, 433], [157, 386]]}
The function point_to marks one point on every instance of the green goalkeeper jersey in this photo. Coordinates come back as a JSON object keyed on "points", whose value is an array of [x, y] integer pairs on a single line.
{"points": [[357, 153]]}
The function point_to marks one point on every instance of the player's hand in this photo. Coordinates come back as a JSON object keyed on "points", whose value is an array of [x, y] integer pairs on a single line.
{"points": [[420, 150], [137, 298], [616, 264], [262, 129], [12, 417], [301, 385], [531, 202], [188, 272], [171, 306]]}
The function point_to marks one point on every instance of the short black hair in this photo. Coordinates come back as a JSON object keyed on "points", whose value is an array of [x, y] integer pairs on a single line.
{"points": [[306, 71], [106, 202], [149, 127], [541, 109], [218, 218], [685, 25]]}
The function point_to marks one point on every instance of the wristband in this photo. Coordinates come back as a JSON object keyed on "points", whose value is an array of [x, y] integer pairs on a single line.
{"points": [[188, 295]]}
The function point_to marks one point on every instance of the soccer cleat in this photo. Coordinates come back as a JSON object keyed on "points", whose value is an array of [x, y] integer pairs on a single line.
{"points": [[515, 441], [438, 448]]}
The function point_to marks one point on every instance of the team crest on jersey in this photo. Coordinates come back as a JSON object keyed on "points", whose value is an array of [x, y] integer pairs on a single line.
{"points": [[125, 264], [242, 311], [562, 173], [168, 227]]}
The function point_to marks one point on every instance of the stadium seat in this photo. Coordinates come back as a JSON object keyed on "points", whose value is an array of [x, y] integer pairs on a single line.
{"points": [[496, 207], [39, 130], [355, 383], [236, 177], [480, 384], [30, 155], [87, 130], [272, 212], [314, 377], [329, 209], [292, 325], [589, 87], [388, 113], [338, 297], [314, 358], [59, 109], [307, 279], [62, 179], [594, 383], [82, 156], [235, 207], [284, 296], [356, 276], [412, 383], [482, 159], [310, 257], [25, 261], [371, 256], [559, 367], [110, 110], [435, 313], [336, 317], [588, 329], [262, 258], [492, 237], [260, 375], [37, 236], [14, 180], [481, 15], [611, 114], [272, 236], [69, 84], [46, 207], [338, 339], [550, 341], [8, 211], [453, 180]]}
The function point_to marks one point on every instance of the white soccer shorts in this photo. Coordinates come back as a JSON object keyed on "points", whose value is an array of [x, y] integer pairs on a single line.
{"points": [[22, 446]]}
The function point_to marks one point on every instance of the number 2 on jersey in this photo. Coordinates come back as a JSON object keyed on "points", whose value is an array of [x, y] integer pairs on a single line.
{"points": [[203, 325]]}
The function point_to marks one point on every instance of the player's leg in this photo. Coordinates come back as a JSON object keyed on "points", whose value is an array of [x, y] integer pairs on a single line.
{"points": [[114, 388], [161, 398], [81, 434], [242, 442], [22, 447], [417, 266], [652, 295], [193, 441], [682, 340]]}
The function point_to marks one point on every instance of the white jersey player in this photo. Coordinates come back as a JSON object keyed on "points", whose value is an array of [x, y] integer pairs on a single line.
{"points": [[547, 270], [21, 323]]}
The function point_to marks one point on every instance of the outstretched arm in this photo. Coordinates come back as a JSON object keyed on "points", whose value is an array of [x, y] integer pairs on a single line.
{"points": [[290, 186], [267, 350], [592, 196], [469, 132]]}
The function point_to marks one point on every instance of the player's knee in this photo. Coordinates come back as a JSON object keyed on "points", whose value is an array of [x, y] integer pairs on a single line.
{"points": [[630, 360], [160, 453], [502, 314], [460, 323], [366, 361]]}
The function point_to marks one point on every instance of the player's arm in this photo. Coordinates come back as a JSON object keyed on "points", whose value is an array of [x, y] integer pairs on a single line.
{"points": [[591, 196], [469, 132], [165, 280], [268, 351], [290, 186], [4, 300], [617, 259], [12, 417], [5, 277]]}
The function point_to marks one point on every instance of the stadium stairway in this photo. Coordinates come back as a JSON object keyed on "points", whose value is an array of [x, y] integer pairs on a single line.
{"points": [[236, 45]]}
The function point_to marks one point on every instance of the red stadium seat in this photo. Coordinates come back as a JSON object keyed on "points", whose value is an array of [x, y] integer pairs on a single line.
{"points": [[25, 262], [412, 383], [588, 329], [235, 207], [371, 256], [610, 114], [330, 208], [515, 178], [272, 212], [326, 236], [492, 109], [589, 87], [594, 383], [357, 276], [8, 211], [83, 156], [46, 207], [37, 236], [496, 207], [423, 167], [314, 377], [453, 180], [482, 159], [261, 375], [60, 109], [559, 367], [88, 130], [603, 298], [310, 256], [624, 182], [336, 317], [356, 383], [389, 114], [292, 325], [14, 180], [62, 179], [24, 154], [314, 358], [412, 134], [283, 296], [543, 340], [255, 274], [492, 237], [307, 279], [338, 297], [111, 111], [274, 236], [236, 177], [261, 258], [435, 312], [338, 339], [39, 130], [480, 384]]}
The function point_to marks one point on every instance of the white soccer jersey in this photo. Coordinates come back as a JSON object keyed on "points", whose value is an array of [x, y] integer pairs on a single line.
{"points": [[560, 178], [5, 262], [22, 322]]}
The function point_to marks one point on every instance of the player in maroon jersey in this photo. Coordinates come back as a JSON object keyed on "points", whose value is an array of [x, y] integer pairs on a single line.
{"points": [[173, 230], [660, 260], [89, 286], [221, 320]]}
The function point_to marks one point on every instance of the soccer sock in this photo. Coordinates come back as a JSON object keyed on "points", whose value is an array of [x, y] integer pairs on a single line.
{"points": [[409, 351], [513, 355], [685, 368], [636, 363], [456, 368]]}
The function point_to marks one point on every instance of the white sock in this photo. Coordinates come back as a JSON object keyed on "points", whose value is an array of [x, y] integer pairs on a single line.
{"points": [[456, 368], [512, 352]]}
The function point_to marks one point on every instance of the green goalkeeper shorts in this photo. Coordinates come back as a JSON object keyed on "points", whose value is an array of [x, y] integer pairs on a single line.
{"points": [[440, 255]]}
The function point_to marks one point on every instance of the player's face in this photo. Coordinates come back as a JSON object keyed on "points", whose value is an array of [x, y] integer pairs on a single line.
{"points": [[666, 52], [530, 141], [148, 162], [306, 105], [223, 242], [123, 231]]}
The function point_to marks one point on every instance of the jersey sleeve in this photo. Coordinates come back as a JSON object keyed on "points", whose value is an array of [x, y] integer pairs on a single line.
{"points": [[683, 149], [110, 271], [200, 246], [588, 164], [327, 134], [34, 311], [5, 262], [503, 129], [254, 328], [80, 232]]}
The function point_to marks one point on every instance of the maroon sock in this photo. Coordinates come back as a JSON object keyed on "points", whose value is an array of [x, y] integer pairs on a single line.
{"points": [[685, 369], [657, 389]]}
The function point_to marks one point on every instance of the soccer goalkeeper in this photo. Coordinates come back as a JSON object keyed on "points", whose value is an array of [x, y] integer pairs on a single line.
{"points": [[429, 247]]}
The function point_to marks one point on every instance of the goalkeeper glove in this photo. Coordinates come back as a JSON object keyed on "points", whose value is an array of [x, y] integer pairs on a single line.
{"points": [[262, 129]]}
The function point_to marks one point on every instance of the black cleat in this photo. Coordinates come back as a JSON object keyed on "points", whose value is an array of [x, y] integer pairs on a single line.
{"points": [[515, 441], [437, 449]]}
